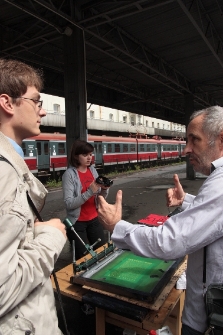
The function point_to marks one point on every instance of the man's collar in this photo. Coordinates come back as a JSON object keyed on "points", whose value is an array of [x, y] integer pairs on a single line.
{"points": [[17, 147], [215, 164]]}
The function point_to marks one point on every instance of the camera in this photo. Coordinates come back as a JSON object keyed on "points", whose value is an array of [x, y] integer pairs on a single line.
{"points": [[101, 180]]}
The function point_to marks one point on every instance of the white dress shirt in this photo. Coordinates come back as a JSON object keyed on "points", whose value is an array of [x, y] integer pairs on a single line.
{"points": [[199, 224]]}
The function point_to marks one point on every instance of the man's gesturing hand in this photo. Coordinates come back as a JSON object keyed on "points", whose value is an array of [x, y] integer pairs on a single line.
{"points": [[175, 196], [108, 214]]}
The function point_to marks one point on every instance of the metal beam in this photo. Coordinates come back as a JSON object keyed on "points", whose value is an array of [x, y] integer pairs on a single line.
{"points": [[205, 27], [95, 19], [130, 52]]}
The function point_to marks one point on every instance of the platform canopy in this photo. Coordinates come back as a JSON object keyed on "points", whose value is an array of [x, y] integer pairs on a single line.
{"points": [[144, 56]]}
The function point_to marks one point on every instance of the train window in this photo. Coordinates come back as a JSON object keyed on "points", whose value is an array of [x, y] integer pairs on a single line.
{"points": [[153, 147], [141, 147], [46, 148], [109, 147], [132, 147], [39, 148], [56, 108], [125, 147], [24, 148], [91, 114], [117, 147], [99, 148], [61, 148]]}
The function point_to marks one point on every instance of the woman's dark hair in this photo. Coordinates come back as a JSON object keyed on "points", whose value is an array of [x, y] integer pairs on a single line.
{"points": [[79, 147]]}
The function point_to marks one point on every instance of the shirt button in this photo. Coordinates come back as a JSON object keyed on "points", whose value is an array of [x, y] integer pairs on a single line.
{"points": [[27, 332], [16, 317]]}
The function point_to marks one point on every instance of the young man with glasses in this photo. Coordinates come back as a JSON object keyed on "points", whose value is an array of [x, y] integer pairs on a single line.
{"points": [[28, 248]]}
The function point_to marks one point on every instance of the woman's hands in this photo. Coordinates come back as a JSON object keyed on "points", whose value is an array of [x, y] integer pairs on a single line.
{"points": [[94, 187]]}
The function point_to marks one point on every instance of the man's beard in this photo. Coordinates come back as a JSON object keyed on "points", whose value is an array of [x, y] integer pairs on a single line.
{"points": [[204, 161]]}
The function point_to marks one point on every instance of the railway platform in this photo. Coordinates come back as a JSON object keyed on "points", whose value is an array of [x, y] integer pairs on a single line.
{"points": [[143, 194]]}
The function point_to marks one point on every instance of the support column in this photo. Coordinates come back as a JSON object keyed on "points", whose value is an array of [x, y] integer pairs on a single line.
{"points": [[189, 109], [75, 86]]}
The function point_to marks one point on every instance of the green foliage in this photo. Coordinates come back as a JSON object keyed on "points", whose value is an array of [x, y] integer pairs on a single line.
{"points": [[53, 183], [137, 167]]}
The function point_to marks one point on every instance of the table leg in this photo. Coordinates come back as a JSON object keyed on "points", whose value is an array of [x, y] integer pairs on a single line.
{"points": [[100, 321]]}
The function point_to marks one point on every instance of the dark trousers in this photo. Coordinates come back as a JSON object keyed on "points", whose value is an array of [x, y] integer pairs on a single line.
{"points": [[189, 331], [89, 232]]}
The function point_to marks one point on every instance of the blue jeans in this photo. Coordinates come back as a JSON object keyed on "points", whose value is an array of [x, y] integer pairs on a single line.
{"points": [[189, 331]]}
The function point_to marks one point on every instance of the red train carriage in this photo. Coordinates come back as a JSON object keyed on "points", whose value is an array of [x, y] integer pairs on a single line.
{"points": [[123, 150], [46, 153]]}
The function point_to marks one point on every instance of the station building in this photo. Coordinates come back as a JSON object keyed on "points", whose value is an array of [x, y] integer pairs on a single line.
{"points": [[107, 121]]}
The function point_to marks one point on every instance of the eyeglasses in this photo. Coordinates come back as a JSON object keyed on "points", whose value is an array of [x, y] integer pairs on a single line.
{"points": [[39, 103]]}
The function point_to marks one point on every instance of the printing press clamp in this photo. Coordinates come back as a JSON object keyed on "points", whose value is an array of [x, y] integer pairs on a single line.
{"points": [[95, 257]]}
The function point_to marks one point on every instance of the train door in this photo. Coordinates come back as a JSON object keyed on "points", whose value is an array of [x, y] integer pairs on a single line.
{"points": [[159, 149], [43, 155], [98, 156], [179, 150]]}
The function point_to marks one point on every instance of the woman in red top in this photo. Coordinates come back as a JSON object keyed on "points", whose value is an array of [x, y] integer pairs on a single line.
{"points": [[80, 195]]}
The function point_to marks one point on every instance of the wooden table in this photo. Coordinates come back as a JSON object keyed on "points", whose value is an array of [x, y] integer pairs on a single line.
{"points": [[166, 310]]}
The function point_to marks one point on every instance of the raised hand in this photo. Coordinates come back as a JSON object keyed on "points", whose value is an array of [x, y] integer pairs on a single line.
{"points": [[175, 196], [108, 214], [94, 187]]}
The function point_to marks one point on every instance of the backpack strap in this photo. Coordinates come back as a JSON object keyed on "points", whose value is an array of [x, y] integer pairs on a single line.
{"points": [[4, 159]]}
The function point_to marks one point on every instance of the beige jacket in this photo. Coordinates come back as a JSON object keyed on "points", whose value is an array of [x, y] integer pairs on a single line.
{"points": [[27, 254]]}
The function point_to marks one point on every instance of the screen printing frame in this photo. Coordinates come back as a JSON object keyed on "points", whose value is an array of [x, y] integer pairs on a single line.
{"points": [[84, 278]]}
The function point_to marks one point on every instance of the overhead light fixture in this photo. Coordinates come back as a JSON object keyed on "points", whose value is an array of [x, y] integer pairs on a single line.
{"points": [[68, 31]]}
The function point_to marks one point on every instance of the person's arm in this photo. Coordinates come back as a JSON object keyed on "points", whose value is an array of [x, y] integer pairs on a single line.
{"points": [[199, 225], [188, 199], [73, 197], [25, 263]]}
